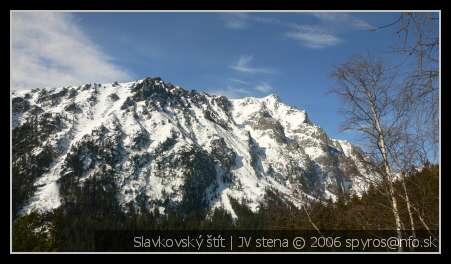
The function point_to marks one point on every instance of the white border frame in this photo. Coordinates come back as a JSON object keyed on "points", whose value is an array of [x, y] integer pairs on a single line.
{"points": [[235, 11]]}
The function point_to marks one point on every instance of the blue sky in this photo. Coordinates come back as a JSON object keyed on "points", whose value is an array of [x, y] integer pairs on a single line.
{"points": [[234, 54]]}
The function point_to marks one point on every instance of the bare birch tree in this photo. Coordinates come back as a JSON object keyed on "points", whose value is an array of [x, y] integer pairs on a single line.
{"points": [[368, 90], [418, 41]]}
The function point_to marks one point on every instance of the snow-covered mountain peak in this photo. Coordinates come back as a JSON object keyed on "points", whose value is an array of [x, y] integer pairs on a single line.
{"points": [[272, 98], [161, 147]]}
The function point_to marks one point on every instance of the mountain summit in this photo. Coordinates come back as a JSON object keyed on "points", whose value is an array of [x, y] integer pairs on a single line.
{"points": [[150, 144]]}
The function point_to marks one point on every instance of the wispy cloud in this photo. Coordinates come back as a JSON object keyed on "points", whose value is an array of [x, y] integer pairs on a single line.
{"points": [[236, 20], [313, 37], [231, 92], [238, 81], [243, 90], [245, 20], [343, 19], [263, 88], [243, 65], [50, 49], [320, 35]]}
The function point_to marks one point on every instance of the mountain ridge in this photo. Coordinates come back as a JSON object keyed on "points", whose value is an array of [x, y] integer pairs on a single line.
{"points": [[159, 146]]}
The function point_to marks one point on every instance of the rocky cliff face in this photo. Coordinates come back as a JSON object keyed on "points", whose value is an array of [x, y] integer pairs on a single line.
{"points": [[155, 146]]}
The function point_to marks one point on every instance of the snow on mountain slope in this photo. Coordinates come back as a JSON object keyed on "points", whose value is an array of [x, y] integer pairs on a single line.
{"points": [[163, 146]]}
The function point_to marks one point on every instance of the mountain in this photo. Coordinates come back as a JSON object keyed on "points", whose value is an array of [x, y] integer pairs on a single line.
{"points": [[150, 144]]}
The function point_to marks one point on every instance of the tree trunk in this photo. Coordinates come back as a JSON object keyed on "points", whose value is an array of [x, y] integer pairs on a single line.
{"points": [[310, 220], [409, 209], [407, 199], [383, 149]]}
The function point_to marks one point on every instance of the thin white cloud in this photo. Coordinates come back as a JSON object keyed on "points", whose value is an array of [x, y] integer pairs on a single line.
{"points": [[239, 89], [322, 35], [313, 37], [343, 19], [238, 81], [231, 92], [245, 20], [49, 49], [236, 20], [243, 65], [263, 88]]}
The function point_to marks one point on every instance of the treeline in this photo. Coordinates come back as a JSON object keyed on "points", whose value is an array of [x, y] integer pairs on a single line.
{"points": [[71, 227]]}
